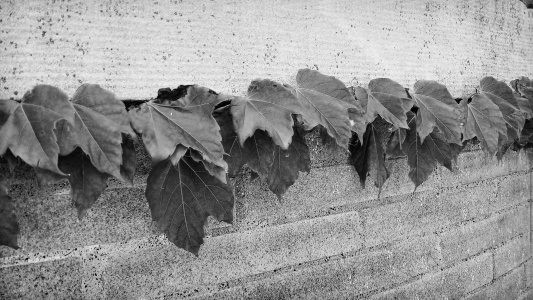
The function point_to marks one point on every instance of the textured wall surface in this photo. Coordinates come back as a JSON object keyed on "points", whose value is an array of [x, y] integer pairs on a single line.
{"points": [[134, 48], [460, 235]]}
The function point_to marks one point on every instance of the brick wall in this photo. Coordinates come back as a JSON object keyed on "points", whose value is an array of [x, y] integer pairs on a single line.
{"points": [[460, 235]]}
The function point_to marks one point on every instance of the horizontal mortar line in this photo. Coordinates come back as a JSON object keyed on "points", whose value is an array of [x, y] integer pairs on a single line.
{"points": [[482, 217], [501, 277], [326, 259], [424, 275], [80, 252]]}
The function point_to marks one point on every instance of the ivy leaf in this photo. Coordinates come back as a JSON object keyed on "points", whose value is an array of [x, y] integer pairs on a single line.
{"points": [[87, 183], [368, 158], [288, 164], [525, 105], [395, 142], [422, 156], [325, 101], [500, 94], [484, 120], [521, 83], [181, 197], [9, 226], [387, 99], [99, 122], [164, 127], [257, 152], [28, 127], [12, 161], [437, 108], [269, 106]]}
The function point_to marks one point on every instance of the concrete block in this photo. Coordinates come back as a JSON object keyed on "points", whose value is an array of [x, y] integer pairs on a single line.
{"points": [[452, 283], [345, 278], [510, 255], [56, 279], [427, 211], [49, 222], [509, 286], [511, 191], [160, 270], [472, 238]]}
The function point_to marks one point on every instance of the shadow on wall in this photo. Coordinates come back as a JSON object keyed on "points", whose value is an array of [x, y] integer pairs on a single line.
{"points": [[528, 3]]}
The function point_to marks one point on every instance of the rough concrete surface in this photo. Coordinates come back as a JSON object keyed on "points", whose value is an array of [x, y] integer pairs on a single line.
{"points": [[461, 234], [133, 48]]}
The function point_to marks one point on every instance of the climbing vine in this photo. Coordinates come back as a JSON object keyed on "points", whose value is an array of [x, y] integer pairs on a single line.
{"points": [[198, 138]]}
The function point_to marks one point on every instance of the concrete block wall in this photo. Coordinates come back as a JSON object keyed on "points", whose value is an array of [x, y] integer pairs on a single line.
{"points": [[465, 234]]}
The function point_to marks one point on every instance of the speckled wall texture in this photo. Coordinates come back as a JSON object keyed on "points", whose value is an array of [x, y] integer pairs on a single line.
{"points": [[135, 47], [460, 235]]}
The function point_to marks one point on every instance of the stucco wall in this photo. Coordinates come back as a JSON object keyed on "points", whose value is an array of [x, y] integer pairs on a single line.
{"points": [[462, 234]]}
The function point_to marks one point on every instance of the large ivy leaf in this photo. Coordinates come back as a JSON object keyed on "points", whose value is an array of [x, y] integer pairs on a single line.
{"points": [[87, 183], [326, 101], [280, 168], [257, 151], [28, 131], [9, 226], [164, 127], [288, 164], [368, 157], [422, 156], [437, 108], [387, 99], [484, 120], [182, 195], [268, 106], [502, 95], [99, 122]]}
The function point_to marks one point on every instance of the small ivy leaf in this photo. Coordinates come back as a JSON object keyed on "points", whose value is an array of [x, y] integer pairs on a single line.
{"points": [[99, 122], [288, 164], [269, 106], [437, 108], [325, 101], [257, 152], [163, 127], [86, 182], [484, 120], [369, 158], [502, 95], [395, 142], [9, 226], [387, 99], [182, 196], [422, 156], [29, 131]]}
